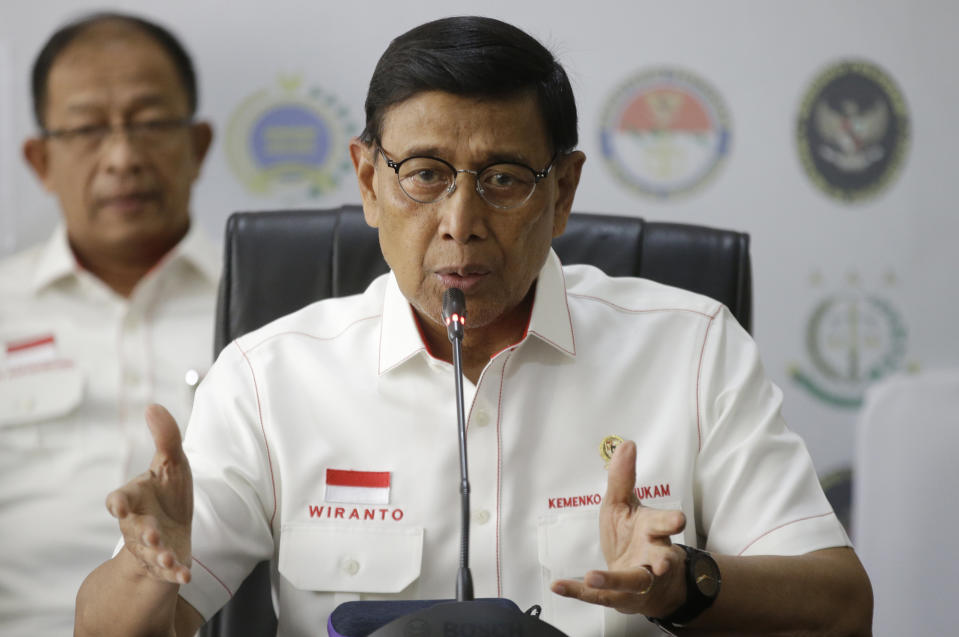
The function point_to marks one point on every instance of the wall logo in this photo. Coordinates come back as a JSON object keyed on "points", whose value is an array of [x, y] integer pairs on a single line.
{"points": [[853, 130], [289, 140], [665, 132], [853, 338]]}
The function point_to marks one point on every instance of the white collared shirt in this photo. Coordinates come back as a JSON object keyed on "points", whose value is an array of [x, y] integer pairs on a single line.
{"points": [[78, 365], [327, 441]]}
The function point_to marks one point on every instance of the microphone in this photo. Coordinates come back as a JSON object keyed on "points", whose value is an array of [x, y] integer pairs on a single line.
{"points": [[454, 315], [464, 617]]}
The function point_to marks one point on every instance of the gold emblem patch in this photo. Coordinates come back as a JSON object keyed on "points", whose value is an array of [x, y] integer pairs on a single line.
{"points": [[608, 447]]}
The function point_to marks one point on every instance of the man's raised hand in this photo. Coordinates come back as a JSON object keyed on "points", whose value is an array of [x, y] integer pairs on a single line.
{"points": [[155, 509], [646, 572]]}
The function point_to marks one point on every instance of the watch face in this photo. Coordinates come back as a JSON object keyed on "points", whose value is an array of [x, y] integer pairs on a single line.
{"points": [[706, 575]]}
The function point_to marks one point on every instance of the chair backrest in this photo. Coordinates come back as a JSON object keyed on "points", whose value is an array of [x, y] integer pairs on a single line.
{"points": [[276, 262]]}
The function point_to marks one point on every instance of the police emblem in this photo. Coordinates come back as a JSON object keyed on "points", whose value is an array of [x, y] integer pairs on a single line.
{"points": [[665, 132], [608, 447], [853, 130], [853, 338], [289, 140]]}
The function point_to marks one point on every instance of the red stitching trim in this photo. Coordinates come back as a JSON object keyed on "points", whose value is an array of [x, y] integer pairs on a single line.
{"points": [[314, 337], [699, 375], [499, 474], [213, 575], [632, 311], [808, 517], [259, 409], [569, 315]]}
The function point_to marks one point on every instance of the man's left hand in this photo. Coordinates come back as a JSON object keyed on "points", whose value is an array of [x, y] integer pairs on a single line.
{"points": [[646, 571]]}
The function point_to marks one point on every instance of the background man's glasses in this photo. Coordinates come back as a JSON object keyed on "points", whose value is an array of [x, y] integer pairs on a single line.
{"points": [[149, 134], [503, 185]]}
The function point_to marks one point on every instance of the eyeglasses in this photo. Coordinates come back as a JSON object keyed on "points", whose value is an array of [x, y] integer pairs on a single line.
{"points": [[150, 134], [503, 185]]}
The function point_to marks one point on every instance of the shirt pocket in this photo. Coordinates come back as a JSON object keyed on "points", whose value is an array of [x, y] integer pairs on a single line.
{"points": [[38, 395], [344, 558], [568, 546]]}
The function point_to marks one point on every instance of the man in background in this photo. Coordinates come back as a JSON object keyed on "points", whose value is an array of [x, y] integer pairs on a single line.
{"points": [[113, 312]]}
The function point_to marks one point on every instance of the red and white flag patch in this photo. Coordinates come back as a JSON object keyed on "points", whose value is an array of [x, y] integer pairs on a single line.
{"points": [[31, 351], [358, 487]]}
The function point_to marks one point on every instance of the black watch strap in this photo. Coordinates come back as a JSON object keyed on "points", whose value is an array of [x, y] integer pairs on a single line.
{"points": [[702, 588]]}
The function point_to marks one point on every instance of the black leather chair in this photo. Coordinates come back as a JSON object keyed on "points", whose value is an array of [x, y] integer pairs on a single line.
{"points": [[277, 262]]}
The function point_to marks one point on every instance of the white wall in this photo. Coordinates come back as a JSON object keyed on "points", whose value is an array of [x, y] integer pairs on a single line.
{"points": [[760, 55]]}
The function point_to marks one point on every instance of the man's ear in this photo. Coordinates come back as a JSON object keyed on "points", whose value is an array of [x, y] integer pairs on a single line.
{"points": [[35, 153], [201, 134], [363, 156], [567, 180]]}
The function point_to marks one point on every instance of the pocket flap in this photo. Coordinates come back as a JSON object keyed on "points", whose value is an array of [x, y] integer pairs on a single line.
{"points": [[33, 396], [350, 558]]}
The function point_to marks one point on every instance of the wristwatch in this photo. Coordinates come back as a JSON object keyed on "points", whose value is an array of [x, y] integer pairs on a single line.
{"points": [[702, 589]]}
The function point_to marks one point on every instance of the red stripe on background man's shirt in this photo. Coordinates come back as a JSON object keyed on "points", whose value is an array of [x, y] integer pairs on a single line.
{"points": [[34, 342], [342, 478]]}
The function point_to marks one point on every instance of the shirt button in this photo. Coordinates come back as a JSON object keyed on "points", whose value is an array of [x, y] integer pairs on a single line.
{"points": [[192, 378], [481, 418], [131, 377], [482, 517], [351, 566]]}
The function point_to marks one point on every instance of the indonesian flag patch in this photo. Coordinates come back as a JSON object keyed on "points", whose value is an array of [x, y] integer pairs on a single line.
{"points": [[31, 351], [358, 487]]}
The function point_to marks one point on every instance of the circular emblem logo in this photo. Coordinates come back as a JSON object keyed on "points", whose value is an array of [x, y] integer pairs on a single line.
{"points": [[665, 132], [608, 447], [852, 340], [853, 130], [289, 140]]}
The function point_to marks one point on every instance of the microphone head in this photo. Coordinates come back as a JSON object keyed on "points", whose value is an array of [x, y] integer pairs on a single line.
{"points": [[454, 312], [454, 302]]}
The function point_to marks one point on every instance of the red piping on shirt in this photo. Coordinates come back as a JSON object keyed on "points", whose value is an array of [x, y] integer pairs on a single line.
{"points": [[808, 517], [213, 575], [499, 476], [699, 375], [259, 411]]}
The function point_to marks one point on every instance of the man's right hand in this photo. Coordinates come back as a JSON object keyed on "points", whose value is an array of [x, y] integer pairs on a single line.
{"points": [[155, 509]]}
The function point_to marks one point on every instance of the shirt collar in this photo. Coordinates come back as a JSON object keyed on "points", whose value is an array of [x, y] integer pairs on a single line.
{"points": [[57, 260], [550, 320], [400, 338]]}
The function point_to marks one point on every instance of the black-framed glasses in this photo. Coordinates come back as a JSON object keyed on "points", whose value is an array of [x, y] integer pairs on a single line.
{"points": [[154, 133], [503, 185]]}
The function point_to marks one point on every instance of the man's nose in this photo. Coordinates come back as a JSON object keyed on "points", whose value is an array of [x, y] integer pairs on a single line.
{"points": [[120, 152], [464, 213]]}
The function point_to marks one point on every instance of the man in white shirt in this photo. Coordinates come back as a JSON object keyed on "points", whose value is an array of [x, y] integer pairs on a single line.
{"points": [[113, 312], [323, 440]]}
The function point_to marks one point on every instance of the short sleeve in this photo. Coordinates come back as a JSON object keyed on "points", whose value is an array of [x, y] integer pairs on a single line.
{"points": [[233, 481], [756, 488]]}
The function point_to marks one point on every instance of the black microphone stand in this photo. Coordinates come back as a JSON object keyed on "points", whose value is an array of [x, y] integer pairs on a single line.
{"points": [[465, 617], [454, 314]]}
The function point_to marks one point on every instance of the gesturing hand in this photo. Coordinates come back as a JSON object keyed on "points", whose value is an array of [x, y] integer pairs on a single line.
{"points": [[155, 509], [646, 572]]}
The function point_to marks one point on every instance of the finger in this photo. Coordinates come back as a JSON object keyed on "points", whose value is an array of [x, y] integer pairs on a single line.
{"points": [[622, 475], [663, 523], [166, 434], [602, 597], [161, 563], [118, 504], [638, 581]]}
